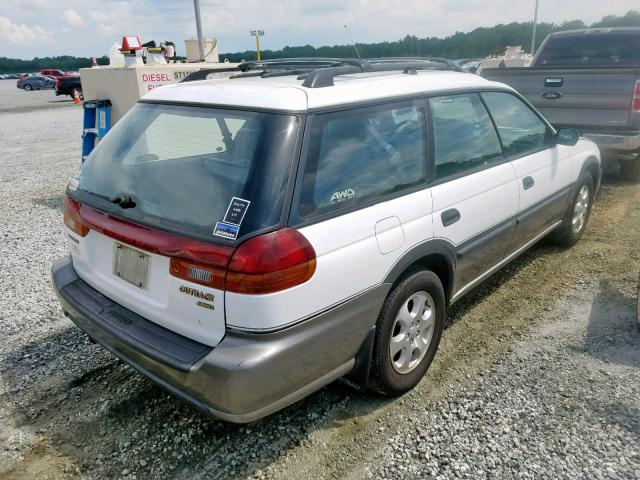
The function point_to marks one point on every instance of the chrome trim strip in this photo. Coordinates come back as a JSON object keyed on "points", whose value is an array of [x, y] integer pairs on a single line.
{"points": [[502, 263]]}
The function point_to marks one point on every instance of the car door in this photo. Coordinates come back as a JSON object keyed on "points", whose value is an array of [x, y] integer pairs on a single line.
{"points": [[361, 200], [543, 169], [475, 193]]}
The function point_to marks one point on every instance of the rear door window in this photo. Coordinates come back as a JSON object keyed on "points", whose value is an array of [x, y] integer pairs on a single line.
{"points": [[592, 49], [465, 138], [520, 129], [360, 155]]}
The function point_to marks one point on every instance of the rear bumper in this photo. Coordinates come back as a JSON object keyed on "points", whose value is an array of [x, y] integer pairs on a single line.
{"points": [[247, 375], [628, 142]]}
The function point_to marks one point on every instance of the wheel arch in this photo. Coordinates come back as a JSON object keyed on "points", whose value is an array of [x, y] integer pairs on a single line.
{"points": [[591, 165], [435, 255]]}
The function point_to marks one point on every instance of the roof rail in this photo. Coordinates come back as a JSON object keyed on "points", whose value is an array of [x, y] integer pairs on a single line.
{"points": [[323, 77], [318, 72], [202, 74]]}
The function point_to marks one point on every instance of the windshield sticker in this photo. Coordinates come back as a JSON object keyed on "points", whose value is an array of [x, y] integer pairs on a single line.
{"points": [[226, 230], [236, 210], [73, 184]]}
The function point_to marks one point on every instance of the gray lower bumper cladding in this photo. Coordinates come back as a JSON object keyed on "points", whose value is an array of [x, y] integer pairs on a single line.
{"points": [[247, 375]]}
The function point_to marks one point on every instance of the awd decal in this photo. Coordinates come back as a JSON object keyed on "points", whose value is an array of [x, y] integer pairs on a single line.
{"points": [[342, 195]]}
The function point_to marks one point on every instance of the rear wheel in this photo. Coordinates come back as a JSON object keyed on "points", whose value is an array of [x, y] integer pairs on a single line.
{"points": [[28, 88], [575, 220], [630, 170], [408, 332]]}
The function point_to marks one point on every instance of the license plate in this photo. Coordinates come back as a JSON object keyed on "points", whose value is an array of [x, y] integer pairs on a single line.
{"points": [[131, 265]]}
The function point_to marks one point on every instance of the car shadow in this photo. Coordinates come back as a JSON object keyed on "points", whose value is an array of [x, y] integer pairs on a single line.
{"points": [[91, 405], [612, 334]]}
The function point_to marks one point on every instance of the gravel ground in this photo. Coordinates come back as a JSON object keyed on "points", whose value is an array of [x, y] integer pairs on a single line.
{"points": [[538, 374]]}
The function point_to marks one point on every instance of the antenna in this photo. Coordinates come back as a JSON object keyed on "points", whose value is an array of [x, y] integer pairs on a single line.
{"points": [[355, 47]]}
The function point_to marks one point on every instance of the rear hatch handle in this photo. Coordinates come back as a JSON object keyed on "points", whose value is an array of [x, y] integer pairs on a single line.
{"points": [[553, 81]]}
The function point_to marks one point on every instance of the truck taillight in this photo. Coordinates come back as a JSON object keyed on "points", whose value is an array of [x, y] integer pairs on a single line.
{"points": [[271, 262], [58, 84], [72, 217], [635, 104]]}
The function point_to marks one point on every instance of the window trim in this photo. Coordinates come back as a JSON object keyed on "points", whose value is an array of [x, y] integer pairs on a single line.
{"points": [[295, 220]]}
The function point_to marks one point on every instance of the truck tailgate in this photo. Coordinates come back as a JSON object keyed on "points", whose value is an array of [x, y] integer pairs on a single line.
{"points": [[585, 97]]}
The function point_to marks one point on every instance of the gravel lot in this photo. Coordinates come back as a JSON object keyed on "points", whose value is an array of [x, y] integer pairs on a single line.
{"points": [[538, 374]]}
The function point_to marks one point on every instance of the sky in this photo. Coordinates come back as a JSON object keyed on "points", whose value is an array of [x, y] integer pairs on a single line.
{"points": [[30, 28]]}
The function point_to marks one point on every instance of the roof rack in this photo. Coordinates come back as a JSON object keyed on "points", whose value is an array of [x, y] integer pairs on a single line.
{"points": [[320, 72]]}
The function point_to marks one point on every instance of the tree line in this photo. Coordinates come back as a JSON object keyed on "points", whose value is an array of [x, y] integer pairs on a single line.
{"points": [[478, 43]]}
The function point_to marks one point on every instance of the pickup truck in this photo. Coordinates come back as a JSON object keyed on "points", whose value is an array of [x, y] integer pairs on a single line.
{"points": [[66, 85], [589, 80]]}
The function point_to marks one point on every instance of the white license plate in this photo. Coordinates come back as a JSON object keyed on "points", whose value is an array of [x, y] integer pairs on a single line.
{"points": [[131, 265]]}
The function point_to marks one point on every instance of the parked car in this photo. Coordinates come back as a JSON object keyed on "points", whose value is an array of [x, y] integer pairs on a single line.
{"points": [[245, 242], [53, 72], [590, 80], [36, 82], [67, 85]]}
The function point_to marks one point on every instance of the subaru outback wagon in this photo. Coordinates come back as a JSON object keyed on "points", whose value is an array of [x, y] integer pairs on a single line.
{"points": [[243, 242]]}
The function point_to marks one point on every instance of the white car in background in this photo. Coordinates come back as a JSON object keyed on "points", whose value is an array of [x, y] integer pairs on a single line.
{"points": [[243, 242]]}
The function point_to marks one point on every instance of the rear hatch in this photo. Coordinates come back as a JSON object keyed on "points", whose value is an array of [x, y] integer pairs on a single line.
{"points": [[583, 79], [599, 98], [163, 200]]}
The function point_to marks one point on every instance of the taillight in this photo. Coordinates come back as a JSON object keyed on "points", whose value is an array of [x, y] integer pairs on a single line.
{"points": [[271, 262], [635, 104], [72, 217], [58, 84], [264, 264], [198, 273]]}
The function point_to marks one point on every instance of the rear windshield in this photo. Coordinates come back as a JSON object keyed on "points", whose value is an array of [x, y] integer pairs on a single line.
{"points": [[217, 174], [593, 49]]}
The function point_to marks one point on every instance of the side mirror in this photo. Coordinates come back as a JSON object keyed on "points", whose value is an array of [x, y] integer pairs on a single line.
{"points": [[567, 136]]}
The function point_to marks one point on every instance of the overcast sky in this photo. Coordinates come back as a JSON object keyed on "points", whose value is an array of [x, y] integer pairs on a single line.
{"points": [[30, 28]]}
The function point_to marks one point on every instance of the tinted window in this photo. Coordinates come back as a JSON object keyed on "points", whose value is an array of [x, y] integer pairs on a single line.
{"points": [[520, 129], [362, 154], [183, 165], [464, 135], [593, 49]]}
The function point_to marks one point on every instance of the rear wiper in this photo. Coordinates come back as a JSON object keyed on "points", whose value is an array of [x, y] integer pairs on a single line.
{"points": [[123, 200]]}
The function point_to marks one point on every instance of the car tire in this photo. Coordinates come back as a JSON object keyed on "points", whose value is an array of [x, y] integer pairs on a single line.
{"points": [[577, 215], [630, 170], [407, 334], [28, 88]]}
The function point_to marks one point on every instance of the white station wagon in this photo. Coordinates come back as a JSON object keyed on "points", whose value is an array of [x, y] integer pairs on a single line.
{"points": [[243, 242]]}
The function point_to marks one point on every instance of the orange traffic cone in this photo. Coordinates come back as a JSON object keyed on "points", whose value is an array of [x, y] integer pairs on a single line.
{"points": [[76, 97]]}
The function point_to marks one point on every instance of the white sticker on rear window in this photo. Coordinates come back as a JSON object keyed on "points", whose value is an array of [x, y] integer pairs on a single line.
{"points": [[236, 211]]}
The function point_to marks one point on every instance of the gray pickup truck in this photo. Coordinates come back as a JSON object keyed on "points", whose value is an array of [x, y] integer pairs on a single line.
{"points": [[589, 80]]}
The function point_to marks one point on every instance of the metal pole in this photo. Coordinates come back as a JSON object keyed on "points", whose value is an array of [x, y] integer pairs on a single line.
{"points": [[196, 7], [258, 46], [533, 36]]}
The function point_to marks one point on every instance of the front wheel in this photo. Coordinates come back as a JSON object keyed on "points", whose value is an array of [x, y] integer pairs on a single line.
{"points": [[575, 220], [408, 333], [28, 88]]}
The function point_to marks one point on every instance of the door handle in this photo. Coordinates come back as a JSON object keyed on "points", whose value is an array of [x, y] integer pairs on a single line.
{"points": [[528, 182], [449, 217]]}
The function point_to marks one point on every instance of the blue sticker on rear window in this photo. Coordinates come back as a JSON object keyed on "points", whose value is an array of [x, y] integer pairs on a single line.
{"points": [[226, 230]]}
